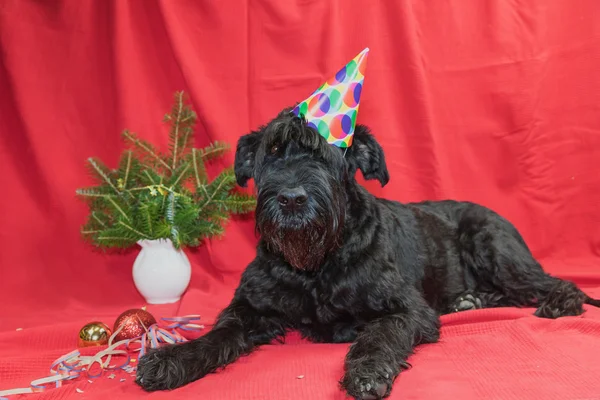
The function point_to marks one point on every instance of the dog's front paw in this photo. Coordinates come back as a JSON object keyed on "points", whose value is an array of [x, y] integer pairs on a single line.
{"points": [[161, 369], [368, 383]]}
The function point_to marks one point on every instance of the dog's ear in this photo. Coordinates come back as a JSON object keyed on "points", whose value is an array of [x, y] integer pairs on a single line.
{"points": [[367, 155], [245, 156]]}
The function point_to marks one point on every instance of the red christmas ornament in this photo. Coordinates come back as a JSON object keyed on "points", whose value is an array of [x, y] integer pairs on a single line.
{"points": [[135, 322]]}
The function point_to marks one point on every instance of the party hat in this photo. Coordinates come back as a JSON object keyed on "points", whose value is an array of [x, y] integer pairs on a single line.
{"points": [[332, 108]]}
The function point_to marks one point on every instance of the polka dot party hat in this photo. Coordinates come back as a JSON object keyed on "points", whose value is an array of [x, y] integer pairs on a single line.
{"points": [[332, 108]]}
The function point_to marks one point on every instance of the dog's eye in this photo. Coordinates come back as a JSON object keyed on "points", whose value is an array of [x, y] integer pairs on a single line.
{"points": [[274, 149]]}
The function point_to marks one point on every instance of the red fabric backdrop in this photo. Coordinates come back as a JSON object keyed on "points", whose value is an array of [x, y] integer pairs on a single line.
{"points": [[489, 101]]}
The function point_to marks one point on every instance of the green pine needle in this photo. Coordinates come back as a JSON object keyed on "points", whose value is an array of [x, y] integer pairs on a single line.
{"points": [[180, 174], [198, 167], [237, 203], [214, 150], [128, 167], [149, 177], [181, 120], [224, 182], [98, 191], [147, 151], [101, 172]]}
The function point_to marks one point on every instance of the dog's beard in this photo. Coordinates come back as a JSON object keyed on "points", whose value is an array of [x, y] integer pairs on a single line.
{"points": [[303, 247], [303, 240]]}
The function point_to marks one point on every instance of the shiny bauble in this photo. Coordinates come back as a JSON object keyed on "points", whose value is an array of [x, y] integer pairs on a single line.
{"points": [[134, 323], [94, 334]]}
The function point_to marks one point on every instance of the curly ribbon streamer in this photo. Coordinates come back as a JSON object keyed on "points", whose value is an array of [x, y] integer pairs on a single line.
{"points": [[156, 335], [72, 365]]}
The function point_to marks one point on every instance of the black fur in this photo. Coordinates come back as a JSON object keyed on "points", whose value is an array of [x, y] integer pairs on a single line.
{"points": [[349, 267]]}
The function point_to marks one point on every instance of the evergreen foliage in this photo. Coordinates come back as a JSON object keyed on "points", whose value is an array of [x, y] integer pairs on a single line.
{"points": [[152, 195]]}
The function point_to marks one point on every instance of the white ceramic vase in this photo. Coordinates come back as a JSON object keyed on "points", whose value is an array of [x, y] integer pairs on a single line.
{"points": [[161, 273]]}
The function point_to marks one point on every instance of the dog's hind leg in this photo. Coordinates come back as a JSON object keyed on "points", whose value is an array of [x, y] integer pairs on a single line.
{"points": [[558, 298], [506, 272], [383, 346]]}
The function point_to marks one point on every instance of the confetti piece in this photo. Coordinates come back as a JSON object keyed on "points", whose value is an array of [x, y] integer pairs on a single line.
{"points": [[111, 366], [111, 376], [144, 308], [90, 381], [78, 390], [300, 376], [122, 379], [19, 329], [133, 360]]}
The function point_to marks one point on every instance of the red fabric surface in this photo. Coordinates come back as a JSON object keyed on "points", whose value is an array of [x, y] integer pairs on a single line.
{"points": [[490, 101]]}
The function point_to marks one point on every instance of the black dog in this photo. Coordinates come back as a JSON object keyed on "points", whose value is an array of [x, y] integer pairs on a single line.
{"points": [[340, 265]]}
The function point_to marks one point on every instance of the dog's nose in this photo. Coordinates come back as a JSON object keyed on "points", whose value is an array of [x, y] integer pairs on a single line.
{"points": [[292, 198]]}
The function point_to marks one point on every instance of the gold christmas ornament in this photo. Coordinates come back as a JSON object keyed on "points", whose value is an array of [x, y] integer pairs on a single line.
{"points": [[94, 334]]}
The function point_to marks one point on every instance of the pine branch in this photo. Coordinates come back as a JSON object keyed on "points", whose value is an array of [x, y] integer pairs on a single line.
{"points": [[182, 120], [163, 204], [127, 167], [96, 216], [149, 177], [237, 203], [225, 181], [216, 214], [98, 191], [93, 232], [199, 169], [115, 241], [210, 228], [133, 230], [101, 172], [180, 174], [155, 196], [214, 150], [198, 156], [175, 131], [146, 148], [118, 208], [162, 230], [148, 212]]}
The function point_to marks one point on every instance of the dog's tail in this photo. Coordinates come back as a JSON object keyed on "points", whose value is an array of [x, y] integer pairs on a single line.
{"points": [[592, 302]]}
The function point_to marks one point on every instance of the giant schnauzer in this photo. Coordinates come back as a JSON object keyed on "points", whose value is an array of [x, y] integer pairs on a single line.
{"points": [[340, 265]]}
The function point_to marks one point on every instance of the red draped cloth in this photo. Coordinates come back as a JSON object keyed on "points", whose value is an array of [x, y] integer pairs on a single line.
{"points": [[495, 102]]}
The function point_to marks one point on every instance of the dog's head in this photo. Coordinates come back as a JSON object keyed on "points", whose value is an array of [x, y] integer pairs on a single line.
{"points": [[302, 184]]}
